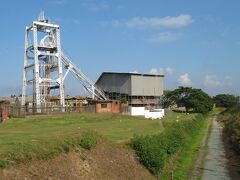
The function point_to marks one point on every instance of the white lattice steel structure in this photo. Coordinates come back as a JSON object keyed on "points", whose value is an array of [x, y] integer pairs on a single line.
{"points": [[43, 60]]}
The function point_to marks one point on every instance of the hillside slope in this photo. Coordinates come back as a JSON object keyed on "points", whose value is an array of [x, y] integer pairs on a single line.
{"points": [[103, 162]]}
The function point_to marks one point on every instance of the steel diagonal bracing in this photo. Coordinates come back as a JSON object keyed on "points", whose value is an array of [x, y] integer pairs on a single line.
{"points": [[88, 84]]}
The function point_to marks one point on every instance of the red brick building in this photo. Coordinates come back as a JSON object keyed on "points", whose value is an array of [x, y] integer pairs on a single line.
{"points": [[108, 107], [4, 110]]}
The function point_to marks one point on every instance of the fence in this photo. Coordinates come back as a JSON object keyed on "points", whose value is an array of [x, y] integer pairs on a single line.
{"points": [[22, 111]]}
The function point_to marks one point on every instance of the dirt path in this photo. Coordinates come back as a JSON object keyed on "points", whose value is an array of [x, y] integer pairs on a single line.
{"points": [[215, 163]]}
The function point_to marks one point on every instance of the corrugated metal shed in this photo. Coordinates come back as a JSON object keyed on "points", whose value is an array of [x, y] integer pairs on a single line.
{"points": [[132, 84]]}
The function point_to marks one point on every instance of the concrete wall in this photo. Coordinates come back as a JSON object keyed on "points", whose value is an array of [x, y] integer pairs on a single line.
{"points": [[137, 111], [154, 114]]}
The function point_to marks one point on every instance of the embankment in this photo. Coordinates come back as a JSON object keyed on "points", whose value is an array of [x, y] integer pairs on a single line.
{"points": [[102, 162], [170, 154]]}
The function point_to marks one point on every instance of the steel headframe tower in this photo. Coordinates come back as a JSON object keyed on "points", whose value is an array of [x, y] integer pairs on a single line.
{"points": [[42, 62]]}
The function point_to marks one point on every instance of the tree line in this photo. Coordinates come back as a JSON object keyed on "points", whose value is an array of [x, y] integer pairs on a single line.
{"points": [[196, 100]]}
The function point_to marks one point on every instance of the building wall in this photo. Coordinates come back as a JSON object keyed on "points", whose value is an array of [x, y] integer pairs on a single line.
{"points": [[118, 83], [109, 107], [146, 85], [4, 110], [132, 85]]}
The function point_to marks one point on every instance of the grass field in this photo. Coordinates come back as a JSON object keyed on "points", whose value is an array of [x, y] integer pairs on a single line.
{"points": [[43, 136]]}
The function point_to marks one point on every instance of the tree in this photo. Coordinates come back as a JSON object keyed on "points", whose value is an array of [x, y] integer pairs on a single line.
{"points": [[192, 99], [165, 92], [225, 100]]}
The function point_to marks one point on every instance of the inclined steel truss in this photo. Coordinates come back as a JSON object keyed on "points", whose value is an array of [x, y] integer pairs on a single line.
{"points": [[89, 85], [43, 62]]}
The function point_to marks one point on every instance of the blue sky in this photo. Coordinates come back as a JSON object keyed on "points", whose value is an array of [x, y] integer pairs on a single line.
{"points": [[194, 43]]}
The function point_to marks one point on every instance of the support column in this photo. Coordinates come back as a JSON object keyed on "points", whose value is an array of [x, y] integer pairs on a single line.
{"points": [[24, 82], [36, 72], [60, 73], [93, 92]]}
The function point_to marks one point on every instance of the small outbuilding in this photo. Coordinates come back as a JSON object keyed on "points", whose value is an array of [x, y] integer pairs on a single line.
{"points": [[108, 107], [4, 110]]}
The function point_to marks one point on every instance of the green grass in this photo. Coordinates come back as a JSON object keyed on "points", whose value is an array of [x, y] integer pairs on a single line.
{"points": [[185, 159], [88, 140], [180, 138], [44, 136]]}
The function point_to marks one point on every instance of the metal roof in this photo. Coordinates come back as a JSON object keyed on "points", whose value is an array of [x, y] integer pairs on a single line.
{"points": [[136, 74]]}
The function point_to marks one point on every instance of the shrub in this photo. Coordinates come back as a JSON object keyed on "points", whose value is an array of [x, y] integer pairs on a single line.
{"points": [[88, 140], [65, 147], [154, 151], [151, 152], [232, 128], [231, 120], [2, 164], [175, 139]]}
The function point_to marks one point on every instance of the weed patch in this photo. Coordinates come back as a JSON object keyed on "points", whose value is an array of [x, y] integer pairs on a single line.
{"points": [[2, 164], [231, 120], [88, 140]]}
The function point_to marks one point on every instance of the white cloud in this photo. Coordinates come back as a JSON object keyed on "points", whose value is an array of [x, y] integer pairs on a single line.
{"points": [[161, 71], [133, 71], [166, 37], [153, 71], [169, 70], [154, 22], [210, 81], [156, 71], [185, 80], [167, 22]]}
